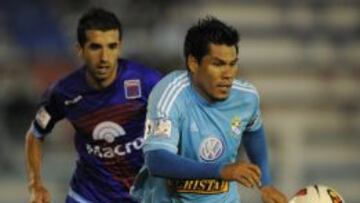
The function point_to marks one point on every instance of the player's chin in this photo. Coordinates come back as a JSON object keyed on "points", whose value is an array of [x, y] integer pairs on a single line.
{"points": [[221, 96], [102, 76]]}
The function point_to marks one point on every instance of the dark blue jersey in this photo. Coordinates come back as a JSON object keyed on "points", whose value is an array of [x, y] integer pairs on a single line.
{"points": [[109, 125]]}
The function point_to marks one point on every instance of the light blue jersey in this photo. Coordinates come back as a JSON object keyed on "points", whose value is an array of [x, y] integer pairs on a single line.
{"points": [[181, 121]]}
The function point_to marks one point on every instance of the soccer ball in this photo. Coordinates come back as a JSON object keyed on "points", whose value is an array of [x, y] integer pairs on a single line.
{"points": [[317, 194]]}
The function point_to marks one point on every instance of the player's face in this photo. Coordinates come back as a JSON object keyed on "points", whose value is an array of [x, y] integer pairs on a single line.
{"points": [[214, 75], [100, 53]]}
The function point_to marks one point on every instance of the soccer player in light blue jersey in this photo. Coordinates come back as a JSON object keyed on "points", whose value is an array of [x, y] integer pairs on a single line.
{"points": [[196, 121], [105, 100]]}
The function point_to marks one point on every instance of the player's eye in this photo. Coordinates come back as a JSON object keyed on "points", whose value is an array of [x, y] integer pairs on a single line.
{"points": [[218, 63], [234, 63], [113, 45], [94, 46]]}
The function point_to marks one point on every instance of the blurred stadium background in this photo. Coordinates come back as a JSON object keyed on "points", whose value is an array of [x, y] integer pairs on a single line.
{"points": [[303, 56]]}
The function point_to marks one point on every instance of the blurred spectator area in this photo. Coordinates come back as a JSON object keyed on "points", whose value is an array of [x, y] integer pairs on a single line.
{"points": [[303, 56]]}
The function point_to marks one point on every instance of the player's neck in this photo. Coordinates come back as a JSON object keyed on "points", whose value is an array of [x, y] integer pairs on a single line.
{"points": [[201, 93], [100, 84]]}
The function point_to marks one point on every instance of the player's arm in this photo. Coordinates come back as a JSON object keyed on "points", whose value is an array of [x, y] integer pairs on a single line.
{"points": [[166, 164], [161, 158], [33, 156], [46, 117], [256, 149]]}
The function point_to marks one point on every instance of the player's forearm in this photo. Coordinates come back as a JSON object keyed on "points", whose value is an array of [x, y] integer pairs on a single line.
{"points": [[33, 159], [168, 165], [256, 149]]}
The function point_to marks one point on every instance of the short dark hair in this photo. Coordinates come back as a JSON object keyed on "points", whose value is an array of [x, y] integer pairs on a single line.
{"points": [[208, 30], [97, 19]]}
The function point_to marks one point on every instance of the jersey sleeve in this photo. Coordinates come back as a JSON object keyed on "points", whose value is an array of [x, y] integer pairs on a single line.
{"points": [[255, 121], [161, 127], [48, 114]]}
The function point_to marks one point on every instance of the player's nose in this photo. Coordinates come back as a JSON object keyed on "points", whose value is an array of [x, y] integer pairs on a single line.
{"points": [[104, 56], [228, 73]]}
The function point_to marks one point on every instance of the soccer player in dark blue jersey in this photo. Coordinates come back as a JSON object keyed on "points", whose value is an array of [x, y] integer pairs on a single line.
{"points": [[105, 101]]}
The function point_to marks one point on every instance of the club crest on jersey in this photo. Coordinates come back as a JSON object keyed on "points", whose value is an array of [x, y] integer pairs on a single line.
{"points": [[211, 149], [107, 131], [132, 89], [236, 125]]}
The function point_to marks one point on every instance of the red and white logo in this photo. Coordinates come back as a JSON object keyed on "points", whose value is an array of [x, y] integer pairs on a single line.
{"points": [[132, 89]]}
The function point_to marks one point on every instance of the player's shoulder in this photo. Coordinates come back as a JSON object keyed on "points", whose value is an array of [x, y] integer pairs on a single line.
{"points": [[69, 82], [243, 87], [170, 88], [139, 68], [172, 81]]}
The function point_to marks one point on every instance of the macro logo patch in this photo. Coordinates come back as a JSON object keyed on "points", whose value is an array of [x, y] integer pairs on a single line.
{"points": [[132, 89], [211, 149], [236, 125], [107, 131]]}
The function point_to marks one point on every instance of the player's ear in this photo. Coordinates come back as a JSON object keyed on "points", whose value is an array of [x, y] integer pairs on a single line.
{"points": [[120, 48], [79, 49], [192, 63]]}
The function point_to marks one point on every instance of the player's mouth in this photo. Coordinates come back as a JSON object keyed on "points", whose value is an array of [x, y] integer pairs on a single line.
{"points": [[103, 69], [224, 87]]}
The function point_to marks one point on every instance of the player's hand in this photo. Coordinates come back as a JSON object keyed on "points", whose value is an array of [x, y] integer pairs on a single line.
{"points": [[270, 194], [39, 194], [244, 173]]}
